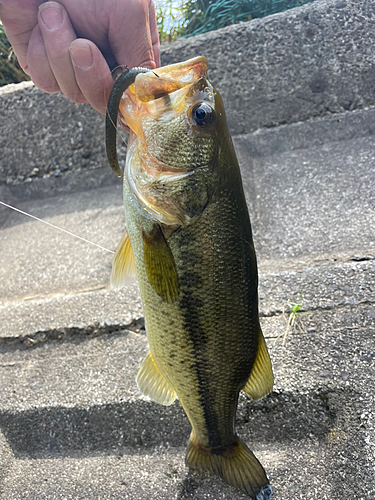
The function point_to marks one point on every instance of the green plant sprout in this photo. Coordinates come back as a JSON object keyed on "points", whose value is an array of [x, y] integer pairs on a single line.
{"points": [[293, 319]]}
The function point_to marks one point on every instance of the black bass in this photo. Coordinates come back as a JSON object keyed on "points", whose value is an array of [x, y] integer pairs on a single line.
{"points": [[189, 242]]}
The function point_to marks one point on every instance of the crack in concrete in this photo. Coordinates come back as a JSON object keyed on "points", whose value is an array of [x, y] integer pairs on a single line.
{"points": [[79, 334], [279, 312], [68, 334]]}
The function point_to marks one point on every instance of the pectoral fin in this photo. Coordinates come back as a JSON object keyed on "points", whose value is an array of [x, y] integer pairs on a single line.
{"points": [[153, 384], [160, 265], [260, 381], [123, 268]]}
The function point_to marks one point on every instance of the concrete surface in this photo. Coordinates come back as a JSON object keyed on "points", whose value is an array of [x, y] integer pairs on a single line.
{"points": [[72, 423], [315, 60]]}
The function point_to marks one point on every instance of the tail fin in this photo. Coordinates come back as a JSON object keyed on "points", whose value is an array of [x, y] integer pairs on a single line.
{"points": [[237, 465]]}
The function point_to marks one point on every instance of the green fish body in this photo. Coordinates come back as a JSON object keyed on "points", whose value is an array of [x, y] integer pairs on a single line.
{"points": [[189, 231]]}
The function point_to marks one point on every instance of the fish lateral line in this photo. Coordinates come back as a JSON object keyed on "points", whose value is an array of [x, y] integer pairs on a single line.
{"points": [[55, 227]]}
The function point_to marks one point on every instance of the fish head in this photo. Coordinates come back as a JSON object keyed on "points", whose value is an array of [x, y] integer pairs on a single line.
{"points": [[177, 128]]}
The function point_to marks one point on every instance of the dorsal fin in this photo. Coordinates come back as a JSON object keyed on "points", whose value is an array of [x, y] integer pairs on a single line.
{"points": [[123, 268], [260, 382]]}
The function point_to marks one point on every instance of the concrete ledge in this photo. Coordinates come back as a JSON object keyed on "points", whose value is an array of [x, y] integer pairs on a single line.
{"points": [[311, 61], [76, 427]]}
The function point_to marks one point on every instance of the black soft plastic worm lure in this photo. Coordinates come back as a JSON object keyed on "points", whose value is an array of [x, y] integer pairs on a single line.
{"points": [[121, 84]]}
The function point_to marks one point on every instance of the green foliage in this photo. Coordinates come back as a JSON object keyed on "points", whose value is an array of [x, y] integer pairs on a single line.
{"points": [[175, 19], [208, 15], [185, 18], [10, 70], [171, 18]]}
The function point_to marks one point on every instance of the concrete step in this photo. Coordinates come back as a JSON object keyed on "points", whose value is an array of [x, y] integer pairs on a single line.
{"points": [[312, 214], [37, 259], [312, 204], [307, 204], [311, 201], [326, 286]]}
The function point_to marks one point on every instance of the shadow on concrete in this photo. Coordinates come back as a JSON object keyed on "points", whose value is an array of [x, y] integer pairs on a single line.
{"points": [[188, 486], [134, 427]]}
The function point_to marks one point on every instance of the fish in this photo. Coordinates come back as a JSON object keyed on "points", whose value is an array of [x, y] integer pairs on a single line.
{"points": [[189, 243]]}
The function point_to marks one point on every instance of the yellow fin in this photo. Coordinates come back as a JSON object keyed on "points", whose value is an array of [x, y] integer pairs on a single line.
{"points": [[237, 465], [260, 381], [123, 268], [153, 384], [160, 265]]}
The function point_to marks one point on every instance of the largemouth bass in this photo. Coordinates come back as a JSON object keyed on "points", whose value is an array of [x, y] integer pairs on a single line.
{"points": [[189, 242]]}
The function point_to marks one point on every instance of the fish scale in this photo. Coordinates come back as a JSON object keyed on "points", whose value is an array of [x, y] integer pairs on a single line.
{"points": [[201, 322]]}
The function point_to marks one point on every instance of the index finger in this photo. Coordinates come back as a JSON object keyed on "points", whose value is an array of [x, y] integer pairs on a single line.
{"points": [[129, 34]]}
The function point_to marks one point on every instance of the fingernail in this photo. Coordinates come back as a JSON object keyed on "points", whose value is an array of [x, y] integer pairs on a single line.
{"points": [[52, 16], [81, 55]]}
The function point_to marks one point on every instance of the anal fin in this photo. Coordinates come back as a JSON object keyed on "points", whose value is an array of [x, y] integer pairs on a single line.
{"points": [[260, 382], [153, 384]]}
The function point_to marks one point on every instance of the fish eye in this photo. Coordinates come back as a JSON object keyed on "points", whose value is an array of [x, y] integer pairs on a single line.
{"points": [[202, 114]]}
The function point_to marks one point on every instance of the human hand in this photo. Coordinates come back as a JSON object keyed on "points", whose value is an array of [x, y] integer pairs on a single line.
{"points": [[71, 45]]}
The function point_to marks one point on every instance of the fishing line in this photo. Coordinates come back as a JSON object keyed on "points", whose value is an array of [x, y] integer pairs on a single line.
{"points": [[56, 227], [124, 67]]}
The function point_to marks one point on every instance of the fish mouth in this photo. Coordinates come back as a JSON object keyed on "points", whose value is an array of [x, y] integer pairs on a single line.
{"points": [[131, 92], [161, 94], [159, 91], [163, 81]]}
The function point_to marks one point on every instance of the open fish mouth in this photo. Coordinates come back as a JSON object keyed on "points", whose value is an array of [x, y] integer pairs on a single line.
{"points": [[144, 86], [163, 81]]}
